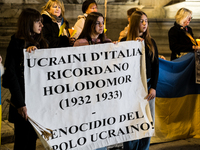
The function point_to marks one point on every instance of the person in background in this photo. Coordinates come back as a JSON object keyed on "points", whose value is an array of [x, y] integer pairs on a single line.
{"points": [[55, 25], [93, 33], [181, 38], [139, 30], [1, 66], [124, 32], [88, 6], [28, 36]]}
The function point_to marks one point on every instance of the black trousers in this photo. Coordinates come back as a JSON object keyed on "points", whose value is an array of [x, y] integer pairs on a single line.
{"points": [[25, 135]]}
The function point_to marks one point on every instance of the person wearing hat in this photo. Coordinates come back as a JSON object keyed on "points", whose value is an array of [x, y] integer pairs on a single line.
{"points": [[87, 7]]}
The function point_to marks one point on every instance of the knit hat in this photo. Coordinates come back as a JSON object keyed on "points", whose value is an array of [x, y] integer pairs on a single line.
{"points": [[86, 5]]}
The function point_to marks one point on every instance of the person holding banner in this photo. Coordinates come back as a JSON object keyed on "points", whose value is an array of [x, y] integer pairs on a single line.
{"points": [[28, 36], [56, 27], [181, 38], [123, 33], [88, 6], [93, 33], [139, 30]]}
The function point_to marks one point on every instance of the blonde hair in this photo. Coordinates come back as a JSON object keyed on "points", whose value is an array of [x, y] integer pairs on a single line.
{"points": [[182, 15], [51, 3], [133, 31]]}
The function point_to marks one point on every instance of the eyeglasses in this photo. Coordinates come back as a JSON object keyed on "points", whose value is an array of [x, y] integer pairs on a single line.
{"points": [[189, 19]]}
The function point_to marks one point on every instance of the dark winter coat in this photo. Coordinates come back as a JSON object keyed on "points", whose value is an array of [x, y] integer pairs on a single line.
{"points": [[179, 41], [13, 78], [152, 67], [51, 32]]}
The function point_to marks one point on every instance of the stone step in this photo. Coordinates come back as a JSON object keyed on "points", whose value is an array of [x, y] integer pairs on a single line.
{"points": [[7, 132], [8, 22], [4, 45], [7, 31], [4, 41], [159, 33], [5, 38], [161, 41], [163, 49], [168, 23]]}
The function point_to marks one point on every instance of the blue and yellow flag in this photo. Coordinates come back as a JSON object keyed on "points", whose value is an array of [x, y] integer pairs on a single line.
{"points": [[62, 27], [177, 106]]}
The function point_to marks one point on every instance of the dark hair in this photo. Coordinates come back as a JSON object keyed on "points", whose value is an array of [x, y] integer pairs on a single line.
{"points": [[131, 10], [86, 4], [89, 27], [25, 28]]}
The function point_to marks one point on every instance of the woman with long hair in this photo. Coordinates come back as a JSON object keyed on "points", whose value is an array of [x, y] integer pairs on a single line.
{"points": [[139, 30], [28, 36], [93, 31]]}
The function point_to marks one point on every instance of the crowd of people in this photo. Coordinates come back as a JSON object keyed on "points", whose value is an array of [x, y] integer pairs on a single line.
{"points": [[50, 29]]}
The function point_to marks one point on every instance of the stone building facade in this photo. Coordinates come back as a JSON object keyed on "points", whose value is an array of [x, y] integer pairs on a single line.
{"points": [[160, 13]]}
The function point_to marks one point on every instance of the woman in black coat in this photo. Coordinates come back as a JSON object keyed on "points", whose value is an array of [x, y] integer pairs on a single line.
{"points": [[55, 25], [28, 36], [180, 35]]}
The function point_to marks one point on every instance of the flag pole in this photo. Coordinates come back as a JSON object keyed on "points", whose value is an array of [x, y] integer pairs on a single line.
{"points": [[105, 4]]}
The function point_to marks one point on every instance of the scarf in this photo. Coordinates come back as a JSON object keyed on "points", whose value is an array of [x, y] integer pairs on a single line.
{"points": [[57, 19], [189, 35], [60, 21], [53, 17]]}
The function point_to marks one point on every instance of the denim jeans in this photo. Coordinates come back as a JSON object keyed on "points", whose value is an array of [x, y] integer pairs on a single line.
{"points": [[141, 144], [144, 143]]}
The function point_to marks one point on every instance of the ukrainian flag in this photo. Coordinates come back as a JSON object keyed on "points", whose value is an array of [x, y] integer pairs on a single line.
{"points": [[177, 105], [62, 28]]}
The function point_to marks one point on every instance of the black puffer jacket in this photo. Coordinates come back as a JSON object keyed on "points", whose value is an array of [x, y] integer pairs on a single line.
{"points": [[51, 32]]}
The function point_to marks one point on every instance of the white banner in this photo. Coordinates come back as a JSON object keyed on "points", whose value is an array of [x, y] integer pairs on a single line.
{"points": [[90, 96]]}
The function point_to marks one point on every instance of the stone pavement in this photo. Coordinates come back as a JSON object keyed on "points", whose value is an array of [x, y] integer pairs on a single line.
{"points": [[186, 144], [7, 136]]}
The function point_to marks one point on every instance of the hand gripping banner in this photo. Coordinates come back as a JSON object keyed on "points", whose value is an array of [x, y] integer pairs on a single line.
{"points": [[89, 96]]}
